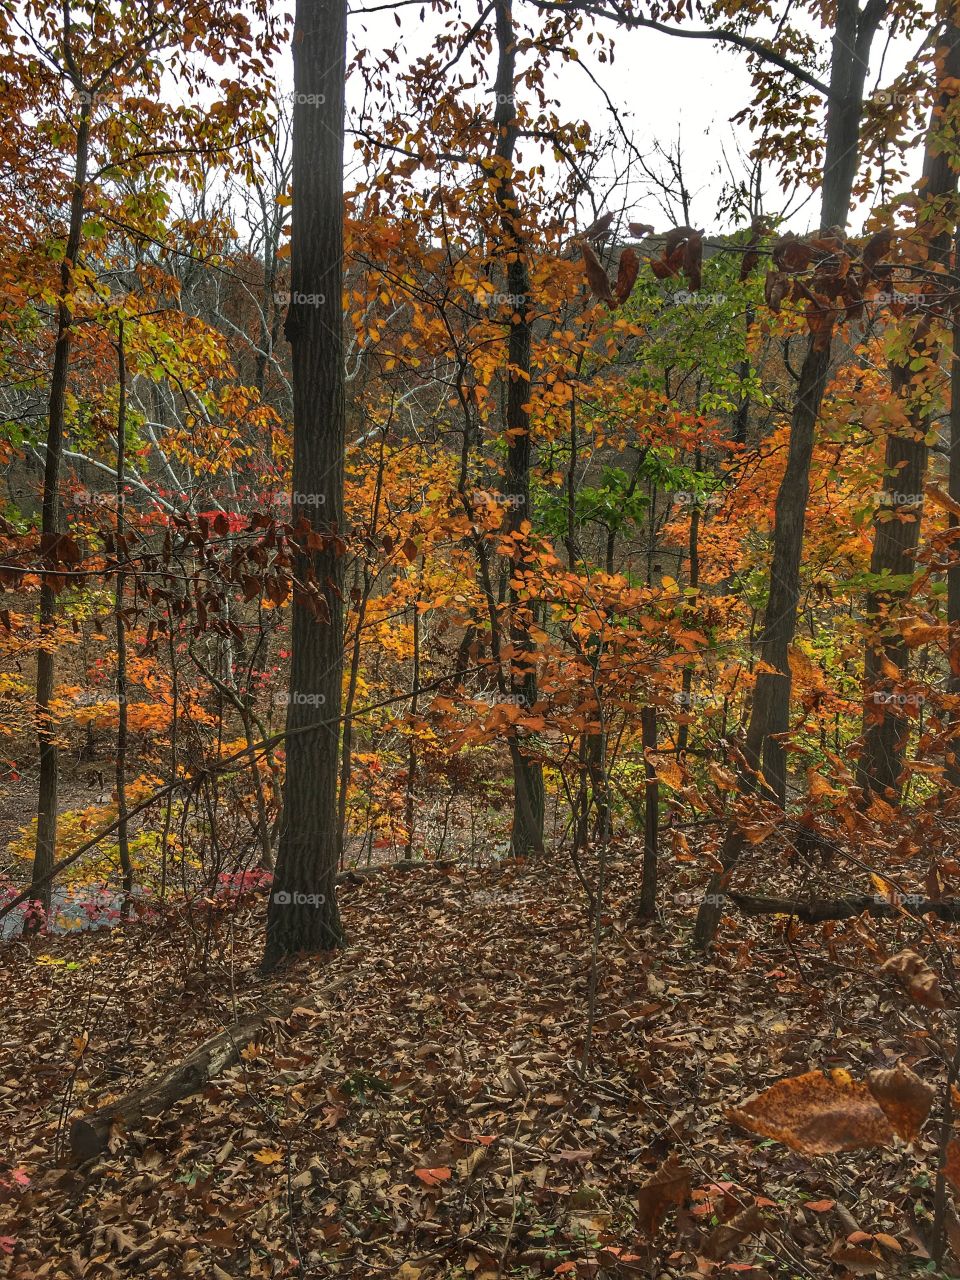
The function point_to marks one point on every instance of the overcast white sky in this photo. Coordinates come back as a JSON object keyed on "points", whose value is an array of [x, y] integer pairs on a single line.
{"points": [[664, 88]]}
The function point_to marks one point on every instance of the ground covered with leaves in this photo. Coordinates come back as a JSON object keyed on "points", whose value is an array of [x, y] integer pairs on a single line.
{"points": [[483, 1084]]}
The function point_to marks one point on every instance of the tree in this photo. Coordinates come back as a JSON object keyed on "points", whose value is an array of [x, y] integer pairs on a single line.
{"points": [[302, 913], [913, 373]]}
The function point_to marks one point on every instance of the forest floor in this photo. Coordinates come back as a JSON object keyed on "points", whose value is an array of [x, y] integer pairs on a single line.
{"points": [[435, 1118]]}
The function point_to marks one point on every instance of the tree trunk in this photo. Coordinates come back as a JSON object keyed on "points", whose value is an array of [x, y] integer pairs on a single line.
{"points": [[953, 573], [302, 913], [770, 714], [897, 527], [528, 791], [770, 710], [651, 816], [123, 840], [46, 844]]}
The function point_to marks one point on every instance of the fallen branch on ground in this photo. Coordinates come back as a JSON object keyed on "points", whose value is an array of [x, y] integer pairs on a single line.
{"points": [[818, 910], [90, 1134]]}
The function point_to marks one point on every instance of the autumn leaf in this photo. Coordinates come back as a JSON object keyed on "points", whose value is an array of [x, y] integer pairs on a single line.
{"points": [[596, 274], [600, 227], [626, 274], [269, 1155], [432, 1177], [816, 1114], [951, 1168], [904, 1098], [670, 1185], [918, 979]]}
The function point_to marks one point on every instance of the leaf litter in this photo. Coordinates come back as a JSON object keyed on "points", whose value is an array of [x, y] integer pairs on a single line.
{"points": [[433, 1118]]}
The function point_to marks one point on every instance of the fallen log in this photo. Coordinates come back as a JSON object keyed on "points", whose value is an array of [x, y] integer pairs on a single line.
{"points": [[90, 1134], [818, 910]]}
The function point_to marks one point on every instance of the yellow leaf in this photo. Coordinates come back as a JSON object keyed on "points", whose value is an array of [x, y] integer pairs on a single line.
{"points": [[269, 1155]]}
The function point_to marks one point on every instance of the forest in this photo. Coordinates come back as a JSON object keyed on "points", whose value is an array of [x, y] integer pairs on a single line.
{"points": [[480, 639]]}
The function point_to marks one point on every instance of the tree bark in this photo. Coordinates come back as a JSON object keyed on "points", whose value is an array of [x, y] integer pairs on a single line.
{"points": [[651, 816], [302, 914], [529, 800], [123, 840], [770, 710], [770, 715], [46, 842], [897, 526], [953, 487]]}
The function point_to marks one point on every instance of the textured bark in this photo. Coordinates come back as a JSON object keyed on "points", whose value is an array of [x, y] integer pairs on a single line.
{"points": [[46, 842], [953, 484], [651, 816], [302, 914], [123, 840], [897, 528], [529, 800], [770, 714], [770, 710]]}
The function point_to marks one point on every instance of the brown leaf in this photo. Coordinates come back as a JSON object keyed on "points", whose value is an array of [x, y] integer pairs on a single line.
{"points": [[599, 228], [816, 1114], [669, 1185], [904, 1098], [596, 275], [790, 253], [640, 229], [775, 289], [951, 1169], [626, 274], [693, 261], [877, 247], [722, 1240], [918, 979]]}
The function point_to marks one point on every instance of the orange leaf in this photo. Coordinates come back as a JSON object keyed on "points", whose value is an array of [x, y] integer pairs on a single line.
{"points": [[433, 1176], [816, 1114]]}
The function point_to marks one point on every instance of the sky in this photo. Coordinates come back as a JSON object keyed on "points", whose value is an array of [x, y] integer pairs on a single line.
{"points": [[665, 89]]}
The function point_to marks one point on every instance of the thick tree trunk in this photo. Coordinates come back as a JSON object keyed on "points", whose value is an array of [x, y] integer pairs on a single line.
{"points": [[303, 914], [897, 528], [46, 843]]}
